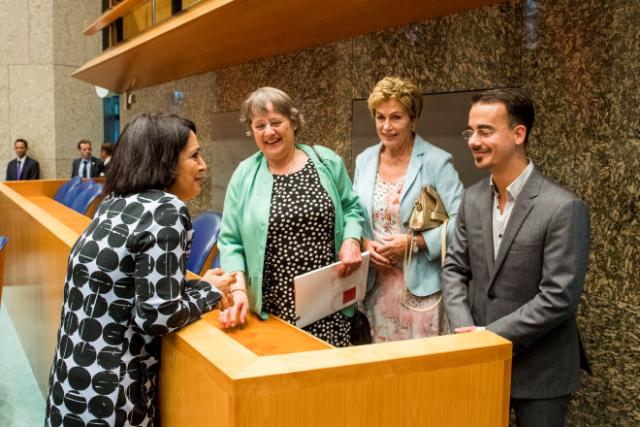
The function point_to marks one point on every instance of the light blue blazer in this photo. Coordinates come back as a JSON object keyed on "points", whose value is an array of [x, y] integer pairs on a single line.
{"points": [[429, 165]]}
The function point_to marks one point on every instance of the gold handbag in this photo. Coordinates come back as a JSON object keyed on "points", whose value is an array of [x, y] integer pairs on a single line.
{"points": [[428, 212]]}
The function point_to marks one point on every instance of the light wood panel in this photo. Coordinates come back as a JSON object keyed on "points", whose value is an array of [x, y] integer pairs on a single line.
{"points": [[456, 380], [36, 263], [219, 33], [41, 187], [279, 339]]}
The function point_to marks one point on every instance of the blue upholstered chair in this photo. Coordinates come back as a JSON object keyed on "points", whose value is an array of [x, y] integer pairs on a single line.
{"points": [[64, 188], [206, 229], [87, 194], [74, 192], [3, 243]]}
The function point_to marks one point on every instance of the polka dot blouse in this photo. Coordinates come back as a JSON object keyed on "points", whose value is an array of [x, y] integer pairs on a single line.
{"points": [[300, 239]]}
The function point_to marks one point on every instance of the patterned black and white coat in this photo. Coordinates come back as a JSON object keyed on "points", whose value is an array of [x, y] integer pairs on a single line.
{"points": [[125, 288]]}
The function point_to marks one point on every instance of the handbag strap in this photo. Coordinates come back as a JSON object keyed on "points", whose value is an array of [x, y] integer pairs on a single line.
{"points": [[443, 241], [443, 253]]}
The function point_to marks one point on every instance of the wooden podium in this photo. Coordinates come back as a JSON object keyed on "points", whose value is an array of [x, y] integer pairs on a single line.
{"points": [[267, 373]]}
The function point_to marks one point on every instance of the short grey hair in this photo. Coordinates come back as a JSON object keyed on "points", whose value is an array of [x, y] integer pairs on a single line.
{"points": [[258, 100]]}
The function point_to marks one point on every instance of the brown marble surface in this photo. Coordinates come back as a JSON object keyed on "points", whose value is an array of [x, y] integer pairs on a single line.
{"points": [[609, 396], [473, 50]]}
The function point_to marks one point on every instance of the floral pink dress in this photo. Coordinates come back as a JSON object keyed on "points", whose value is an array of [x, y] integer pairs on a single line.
{"points": [[386, 304]]}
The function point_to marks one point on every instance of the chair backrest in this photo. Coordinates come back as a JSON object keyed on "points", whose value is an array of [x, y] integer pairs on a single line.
{"points": [[206, 228], [64, 188], [3, 243], [74, 192], [84, 199]]}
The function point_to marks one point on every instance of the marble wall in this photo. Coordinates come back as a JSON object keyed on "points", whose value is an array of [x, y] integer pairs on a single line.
{"points": [[580, 61], [40, 46]]}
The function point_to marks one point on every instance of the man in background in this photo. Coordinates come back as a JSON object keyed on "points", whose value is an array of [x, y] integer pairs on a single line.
{"points": [[106, 151], [86, 166], [517, 261], [22, 167]]}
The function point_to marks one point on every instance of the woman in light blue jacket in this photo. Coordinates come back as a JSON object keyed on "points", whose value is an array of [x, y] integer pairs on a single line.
{"points": [[289, 209], [388, 178]]}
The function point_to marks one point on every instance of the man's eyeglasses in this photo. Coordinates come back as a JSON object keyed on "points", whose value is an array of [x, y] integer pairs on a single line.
{"points": [[480, 133]]}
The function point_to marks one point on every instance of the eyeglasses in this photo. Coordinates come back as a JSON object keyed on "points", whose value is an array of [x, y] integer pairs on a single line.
{"points": [[261, 127], [481, 133]]}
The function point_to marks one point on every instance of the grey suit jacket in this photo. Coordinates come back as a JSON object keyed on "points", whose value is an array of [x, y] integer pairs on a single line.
{"points": [[530, 293]]}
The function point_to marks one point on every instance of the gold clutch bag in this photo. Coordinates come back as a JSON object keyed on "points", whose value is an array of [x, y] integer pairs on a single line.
{"points": [[428, 211]]}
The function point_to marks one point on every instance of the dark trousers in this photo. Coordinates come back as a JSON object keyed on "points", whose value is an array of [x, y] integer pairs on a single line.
{"points": [[541, 412]]}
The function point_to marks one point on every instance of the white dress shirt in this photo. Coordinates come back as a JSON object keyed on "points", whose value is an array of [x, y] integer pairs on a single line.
{"points": [[501, 219]]}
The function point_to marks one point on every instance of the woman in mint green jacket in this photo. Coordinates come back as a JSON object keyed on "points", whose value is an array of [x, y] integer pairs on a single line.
{"points": [[289, 209]]}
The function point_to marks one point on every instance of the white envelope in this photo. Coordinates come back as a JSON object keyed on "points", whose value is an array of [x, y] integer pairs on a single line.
{"points": [[321, 292]]}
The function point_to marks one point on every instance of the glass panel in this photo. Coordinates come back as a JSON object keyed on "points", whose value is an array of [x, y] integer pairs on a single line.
{"points": [[137, 21], [163, 10], [188, 3]]}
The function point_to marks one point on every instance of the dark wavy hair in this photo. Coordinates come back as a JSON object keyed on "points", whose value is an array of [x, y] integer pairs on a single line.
{"points": [[146, 155]]}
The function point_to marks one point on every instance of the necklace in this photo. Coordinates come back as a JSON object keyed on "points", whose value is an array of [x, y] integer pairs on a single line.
{"points": [[293, 162]]}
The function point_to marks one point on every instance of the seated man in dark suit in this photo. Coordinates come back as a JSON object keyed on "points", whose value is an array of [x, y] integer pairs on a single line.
{"points": [[23, 167], [86, 166]]}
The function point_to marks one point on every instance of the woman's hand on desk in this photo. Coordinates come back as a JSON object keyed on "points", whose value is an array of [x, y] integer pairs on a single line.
{"points": [[236, 314], [350, 256], [222, 282]]}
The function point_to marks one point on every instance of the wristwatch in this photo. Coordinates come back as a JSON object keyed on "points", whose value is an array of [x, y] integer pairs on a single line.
{"points": [[414, 244]]}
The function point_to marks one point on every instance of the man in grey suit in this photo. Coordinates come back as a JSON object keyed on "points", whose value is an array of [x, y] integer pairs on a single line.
{"points": [[517, 261]]}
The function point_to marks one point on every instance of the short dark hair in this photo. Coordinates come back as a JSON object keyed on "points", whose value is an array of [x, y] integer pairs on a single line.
{"points": [[108, 147], [83, 141], [146, 155], [519, 106], [24, 141]]}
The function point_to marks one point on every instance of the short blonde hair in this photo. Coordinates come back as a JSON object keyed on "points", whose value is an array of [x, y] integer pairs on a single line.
{"points": [[402, 90], [258, 100]]}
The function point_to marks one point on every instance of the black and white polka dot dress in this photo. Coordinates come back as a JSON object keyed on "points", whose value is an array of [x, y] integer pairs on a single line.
{"points": [[300, 239], [125, 287]]}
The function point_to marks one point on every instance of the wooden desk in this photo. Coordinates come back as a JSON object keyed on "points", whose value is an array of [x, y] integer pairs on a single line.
{"points": [[267, 373]]}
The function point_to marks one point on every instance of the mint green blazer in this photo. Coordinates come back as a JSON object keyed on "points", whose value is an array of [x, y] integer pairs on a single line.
{"points": [[247, 203]]}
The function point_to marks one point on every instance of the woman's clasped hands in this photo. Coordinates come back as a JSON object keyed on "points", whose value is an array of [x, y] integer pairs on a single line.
{"points": [[387, 251]]}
